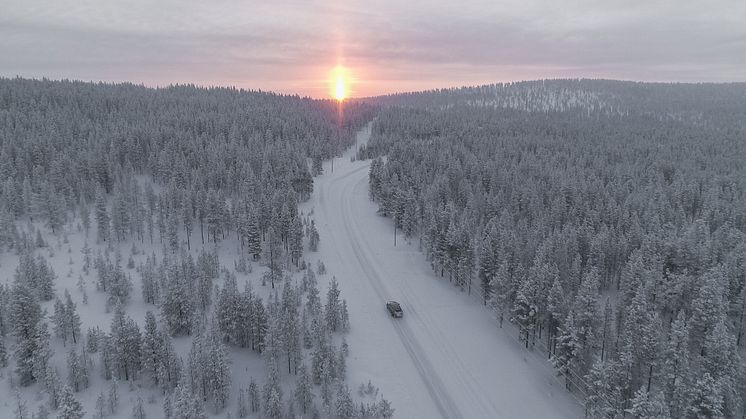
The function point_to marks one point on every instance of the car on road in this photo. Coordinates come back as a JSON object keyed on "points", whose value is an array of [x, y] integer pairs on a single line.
{"points": [[394, 308]]}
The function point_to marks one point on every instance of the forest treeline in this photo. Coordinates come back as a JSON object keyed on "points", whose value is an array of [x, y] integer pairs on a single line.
{"points": [[606, 220], [133, 167], [62, 143]]}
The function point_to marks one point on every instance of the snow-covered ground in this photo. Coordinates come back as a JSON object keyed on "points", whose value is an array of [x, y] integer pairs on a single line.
{"points": [[446, 357], [66, 260]]}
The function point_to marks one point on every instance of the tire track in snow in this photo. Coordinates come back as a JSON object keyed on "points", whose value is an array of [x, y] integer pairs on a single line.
{"points": [[469, 390], [461, 372], [433, 383], [478, 398]]}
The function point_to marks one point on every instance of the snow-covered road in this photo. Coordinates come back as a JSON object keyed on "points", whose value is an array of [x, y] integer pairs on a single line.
{"points": [[445, 357]]}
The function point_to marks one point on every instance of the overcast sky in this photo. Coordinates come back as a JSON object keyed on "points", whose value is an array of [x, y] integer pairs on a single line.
{"points": [[389, 45]]}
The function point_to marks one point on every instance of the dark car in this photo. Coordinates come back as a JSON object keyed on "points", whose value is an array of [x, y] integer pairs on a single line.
{"points": [[394, 308]]}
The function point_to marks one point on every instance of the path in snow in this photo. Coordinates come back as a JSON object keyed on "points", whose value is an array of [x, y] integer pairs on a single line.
{"points": [[445, 357]]}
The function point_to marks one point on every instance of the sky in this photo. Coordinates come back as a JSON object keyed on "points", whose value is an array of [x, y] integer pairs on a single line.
{"points": [[291, 46]]}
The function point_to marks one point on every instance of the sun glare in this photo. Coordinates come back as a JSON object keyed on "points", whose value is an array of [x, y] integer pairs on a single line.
{"points": [[340, 83]]}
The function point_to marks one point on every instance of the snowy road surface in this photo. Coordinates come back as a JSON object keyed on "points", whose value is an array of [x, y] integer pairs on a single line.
{"points": [[445, 357]]}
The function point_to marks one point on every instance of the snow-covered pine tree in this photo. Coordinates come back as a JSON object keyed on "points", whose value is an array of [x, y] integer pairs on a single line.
{"points": [[70, 407], [607, 332], [341, 366], [253, 235], [272, 392], [102, 410], [102, 216], [524, 314], [150, 275], [640, 341], [152, 347], [706, 398], [344, 317], [384, 410], [219, 375], [160, 217], [207, 269], [170, 366], [172, 230], [721, 360], [119, 216], [327, 392], [587, 318], [138, 410], [112, 401], [313, 301], [77, 374], [313, 237], [331, 309], [45, 279], [488, 263], [72, 319], [273, 404], [127, 344], [557, 309], [3, 353], [228, 310], [317, 167], [305, 330], [184, 405], [91, 339], [246, 317], [53, 385], [120, 285], [643, 405], [295, 239], [59, 320], [177, 303], [676, 373], [242, 404], [344, 406], [260, 326], [604, 394], [254, 398], [274, 338], [213, 215], [55, 210], [188, 220], [273, 254], [303, 386], [42, 351], [85, 217], [289, 327], [106, 356], [568, 349]]}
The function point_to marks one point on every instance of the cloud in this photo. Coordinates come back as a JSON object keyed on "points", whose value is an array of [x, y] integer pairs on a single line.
{"points": [[289, 45]]}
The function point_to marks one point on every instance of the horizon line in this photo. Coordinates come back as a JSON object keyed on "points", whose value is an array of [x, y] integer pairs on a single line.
{"points": [[157, 86]]}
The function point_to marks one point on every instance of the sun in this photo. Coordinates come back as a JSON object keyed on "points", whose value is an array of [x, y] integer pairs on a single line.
{"points": [[340, 90], [340, 83]]}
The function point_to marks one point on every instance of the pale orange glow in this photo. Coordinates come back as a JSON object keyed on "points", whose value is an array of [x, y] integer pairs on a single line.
{"points": [[340, 83]]}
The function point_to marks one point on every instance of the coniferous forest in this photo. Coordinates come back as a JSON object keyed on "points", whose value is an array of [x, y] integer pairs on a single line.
{"points": [[604, 221], [141, 193], [160, 247]]}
